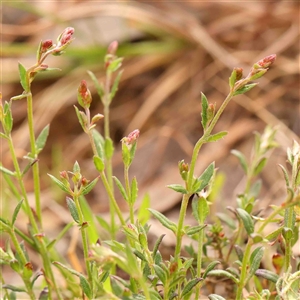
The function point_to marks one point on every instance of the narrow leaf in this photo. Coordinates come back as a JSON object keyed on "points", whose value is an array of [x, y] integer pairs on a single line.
{"points": [[188, 287], [215, 297], [6, 171], [241, 158], [222, 273], [86, 287], [217, 136], [245, 89], [246, 219], [143, 212], [204, 103], [23, 77], [177, 188], [99, 143], [260, 165], [164, 220], [160, 273], [266, 274], [108, 148], [89, 187], [42, 138], [285, 174], [97, 85], [134, 190], [210, 267], [205, 177], [59, 183], [13, 288], [255, 260], [232, 78], [195, 229], [115, 85], [98, 163], [156, 245], [73, 209], [121, 188], [16, 211], [200, 209]]}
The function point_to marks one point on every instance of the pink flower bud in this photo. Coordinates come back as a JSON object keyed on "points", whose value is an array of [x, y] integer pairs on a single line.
{"points": [[267, 61], [46, 45], [66, 36], [132, 137], [112, 48]]}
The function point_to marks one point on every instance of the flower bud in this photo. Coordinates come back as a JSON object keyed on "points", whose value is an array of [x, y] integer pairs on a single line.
{"points": [[112, 48], [46, 45], [265, 62], [84, 95], [211, 111], [132, 137], [239, 73], [66, 36]]}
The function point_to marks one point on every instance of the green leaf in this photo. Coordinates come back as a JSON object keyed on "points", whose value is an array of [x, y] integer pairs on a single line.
{"points": [[73, 209], [64, 267], [241, 158], [98, 86], [195, 229], [217, 136], [8, 119], [89, 187], [227, 220], [239, 252], [82, 118], [189, 286], [86, 287], [44, 295], [134, 191], [246, 219], [260, 165], [285, 174], [6, 171], [156, 245], [99, 164], [76, 167], [140, 255], [121, 188], [59, 183], [255, 260], [200, 209], [126, 155], [274, 234], [23, 77], [99, 143], [177, 188], [42, 138], [164, 220], [115, 64], [266, 274], [232, 78], [2, 135], [204, 103], [245, 89], [108, 148], [16, 211], [223, 273], [161, 274], [115, 86], [209, 268], [205, 177], [13, 288]]}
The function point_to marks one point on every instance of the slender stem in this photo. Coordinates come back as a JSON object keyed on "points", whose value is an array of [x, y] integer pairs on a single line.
{"points": [[179, 234], [84, 237], [199, 260], [35, 167], [112, 199], [23, 262], [127, 186], [243, 276]]}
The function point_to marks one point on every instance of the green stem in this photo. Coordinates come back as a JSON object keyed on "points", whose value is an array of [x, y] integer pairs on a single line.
{"points": [[84, 238], [199, 259], [23, 262], [179, 234], [128, 192], [113, 202], [243, 276], [35, 167]]}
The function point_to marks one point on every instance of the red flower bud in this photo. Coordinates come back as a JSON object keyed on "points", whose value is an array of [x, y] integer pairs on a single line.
{"points": [[239, 73], [66, 36], [267, 61], [132, 137], [84, 95], [46, 45]]}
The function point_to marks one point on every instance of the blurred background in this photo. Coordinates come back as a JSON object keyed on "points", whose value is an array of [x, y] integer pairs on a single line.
{"points": [[172, 52]]}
